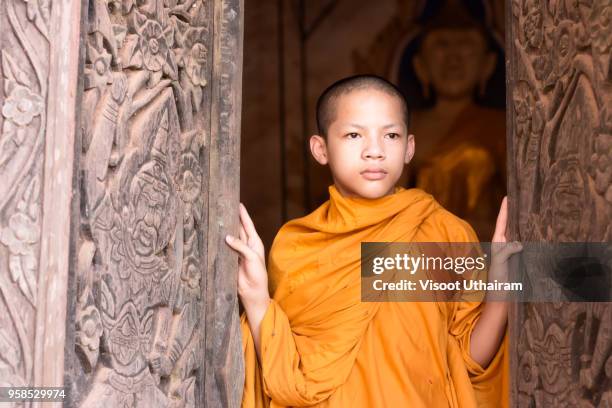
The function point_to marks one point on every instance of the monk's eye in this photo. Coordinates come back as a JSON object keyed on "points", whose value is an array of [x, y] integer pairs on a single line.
{"points": [[352, 135], [393, 135]]}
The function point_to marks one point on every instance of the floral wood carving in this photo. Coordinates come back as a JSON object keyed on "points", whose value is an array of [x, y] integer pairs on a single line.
{"points": [[23, 98]]}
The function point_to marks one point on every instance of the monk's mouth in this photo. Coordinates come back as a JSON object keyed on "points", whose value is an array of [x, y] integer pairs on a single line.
{"points": [[374, 175]]}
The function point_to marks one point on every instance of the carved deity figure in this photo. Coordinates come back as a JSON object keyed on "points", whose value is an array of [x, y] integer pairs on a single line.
{"points": [[460, 154]]}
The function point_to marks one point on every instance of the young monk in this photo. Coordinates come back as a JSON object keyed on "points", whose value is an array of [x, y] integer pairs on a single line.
{"points": [[314, 343]]}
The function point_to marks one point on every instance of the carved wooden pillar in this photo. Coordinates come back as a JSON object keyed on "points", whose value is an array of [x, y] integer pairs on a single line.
{"points": [[560, 158], [119, 172], [38, 93]]}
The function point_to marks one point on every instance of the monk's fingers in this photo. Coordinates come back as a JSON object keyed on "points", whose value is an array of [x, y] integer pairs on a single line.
{"points": [[243, 235], [500, 225], [502, 251], [253, 238], [247, 222], [252, 241], [245, 219], [240, 247]]}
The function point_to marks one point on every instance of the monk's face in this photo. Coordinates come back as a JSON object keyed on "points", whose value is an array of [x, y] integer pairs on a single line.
{"points": [[367, 144]]}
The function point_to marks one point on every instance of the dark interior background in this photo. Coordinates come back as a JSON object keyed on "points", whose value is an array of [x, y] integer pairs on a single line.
{"points": [[293, 49]]}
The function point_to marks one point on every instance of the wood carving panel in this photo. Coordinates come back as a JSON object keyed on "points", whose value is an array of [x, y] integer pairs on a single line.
{"points": [[126, 242], [24, 57], [142, 244], [560, 158]]}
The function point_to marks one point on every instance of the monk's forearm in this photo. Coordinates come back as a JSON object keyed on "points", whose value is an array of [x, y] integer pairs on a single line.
{"points": [[255, 312], [488, 332]]}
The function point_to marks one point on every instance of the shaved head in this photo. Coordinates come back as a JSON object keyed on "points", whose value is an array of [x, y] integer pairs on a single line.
{"points": [[327, 102]]}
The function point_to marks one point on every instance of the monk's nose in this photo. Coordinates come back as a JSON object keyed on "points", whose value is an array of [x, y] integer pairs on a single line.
{"points": [[374, 150]]}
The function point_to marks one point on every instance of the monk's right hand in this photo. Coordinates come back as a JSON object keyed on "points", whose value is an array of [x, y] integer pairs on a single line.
{"points": [[501, 249], [252, 274]]}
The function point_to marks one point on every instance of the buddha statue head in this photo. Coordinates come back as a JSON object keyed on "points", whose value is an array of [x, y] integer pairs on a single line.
{"points": [[454, 58]]}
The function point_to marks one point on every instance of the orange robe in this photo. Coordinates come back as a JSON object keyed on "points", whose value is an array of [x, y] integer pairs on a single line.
{"points": [[321, 346]]}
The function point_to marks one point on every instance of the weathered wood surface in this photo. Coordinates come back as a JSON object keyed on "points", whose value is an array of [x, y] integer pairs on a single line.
{"points": [[121, 271], [224, 361], [38, 83], [560, 156]]}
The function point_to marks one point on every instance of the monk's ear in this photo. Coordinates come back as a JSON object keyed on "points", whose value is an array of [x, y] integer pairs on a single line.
{"points": [[318, 148], [410, 148]]}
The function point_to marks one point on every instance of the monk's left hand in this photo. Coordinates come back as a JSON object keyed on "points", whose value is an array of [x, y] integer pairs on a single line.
{"points": [[252, 274], [501, 249]]}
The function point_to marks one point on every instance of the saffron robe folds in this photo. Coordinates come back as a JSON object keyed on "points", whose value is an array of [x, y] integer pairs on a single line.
{"points": [[321, 346]]}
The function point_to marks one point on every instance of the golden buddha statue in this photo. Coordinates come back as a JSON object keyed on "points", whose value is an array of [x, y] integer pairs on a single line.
{"points": [[460, 145]]}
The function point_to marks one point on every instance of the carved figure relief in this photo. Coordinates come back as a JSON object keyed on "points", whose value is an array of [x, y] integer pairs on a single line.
{"points": [[132, 256], [140, 299], [562, 134]]}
